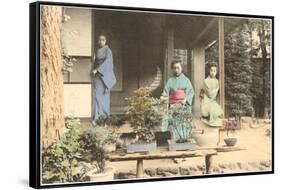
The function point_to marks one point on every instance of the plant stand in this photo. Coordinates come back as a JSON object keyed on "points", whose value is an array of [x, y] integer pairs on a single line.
{"points": [[149, 147], [181, 146]]}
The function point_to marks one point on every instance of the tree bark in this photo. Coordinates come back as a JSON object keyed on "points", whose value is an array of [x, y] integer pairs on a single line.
{"points": [[51, 76], [262, 35]]}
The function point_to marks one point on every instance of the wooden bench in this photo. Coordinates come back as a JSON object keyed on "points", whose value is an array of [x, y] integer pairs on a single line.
{"points": [[139, 157]]}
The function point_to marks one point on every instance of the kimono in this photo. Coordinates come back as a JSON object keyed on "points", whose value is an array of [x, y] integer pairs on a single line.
{"points": [[178, 88], [104, 80], [175, 85], [210, 109]]}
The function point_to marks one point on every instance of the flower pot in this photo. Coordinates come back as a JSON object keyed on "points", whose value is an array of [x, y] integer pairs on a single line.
{"points": [[209, 138], [173, 146], [109, 147], [107, 175], [137, 147], [230, 141]]}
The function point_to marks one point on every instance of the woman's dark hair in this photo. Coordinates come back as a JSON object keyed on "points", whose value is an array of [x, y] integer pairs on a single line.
{"points": [[102, 35], [212, 65], [175, 62]]}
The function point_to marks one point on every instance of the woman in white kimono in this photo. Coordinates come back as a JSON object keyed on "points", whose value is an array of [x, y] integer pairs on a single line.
{"points": [[210, 109]]}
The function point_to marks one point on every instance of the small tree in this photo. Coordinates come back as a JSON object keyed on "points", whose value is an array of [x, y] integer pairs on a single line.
{"points": [[143, 115], [260, 50]]}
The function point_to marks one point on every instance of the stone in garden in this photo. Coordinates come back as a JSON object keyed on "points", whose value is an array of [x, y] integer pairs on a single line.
{"points": [[178, 160], [222, 166], [184, 171], [126, 175], [172, 170], [216, 169], [159, 171], [231, 166], [201, 167], [265, 163], [253, 164], [242, 166], [150, 171]]}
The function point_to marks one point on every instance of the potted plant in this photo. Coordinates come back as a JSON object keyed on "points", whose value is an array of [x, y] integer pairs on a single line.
{"points": [[93, 143], [143, 117], [60, 160], [230, 126], [180, 125]]}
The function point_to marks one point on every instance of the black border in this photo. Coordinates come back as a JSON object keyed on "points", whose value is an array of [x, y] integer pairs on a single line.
{"points": [[34, 93]]}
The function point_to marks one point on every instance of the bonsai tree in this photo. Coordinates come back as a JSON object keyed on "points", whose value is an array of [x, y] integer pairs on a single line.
{"points": [[179, 123], [230, 126], [142, 114], [93, 141]]}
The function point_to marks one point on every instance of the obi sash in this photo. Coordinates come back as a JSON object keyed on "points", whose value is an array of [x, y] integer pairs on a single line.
{"points": [[177, 96]]}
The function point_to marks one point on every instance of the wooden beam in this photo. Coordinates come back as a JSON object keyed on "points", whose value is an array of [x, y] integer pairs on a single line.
{"points": [[221, 61], [205, 31], [169, 53], [93, 60]]}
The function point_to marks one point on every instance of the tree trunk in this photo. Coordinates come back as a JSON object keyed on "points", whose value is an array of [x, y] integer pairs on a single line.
{"points": [[261, 35], [51, 76]]}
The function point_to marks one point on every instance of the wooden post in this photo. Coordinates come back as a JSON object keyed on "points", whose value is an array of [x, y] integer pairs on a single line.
{"points": [[139, 168], [93, 62], [197, 77], [221, 61], [169, 53], [208, 163]]}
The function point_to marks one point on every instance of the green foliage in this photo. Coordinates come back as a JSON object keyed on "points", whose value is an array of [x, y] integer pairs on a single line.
{"points": [[109, 120], [143, 115], [238, 73], [93, 141], [68, 61], [260, 52], [178, 116], [60, 159]]}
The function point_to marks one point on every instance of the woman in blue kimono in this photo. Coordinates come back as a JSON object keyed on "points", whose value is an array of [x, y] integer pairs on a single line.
{"points": [[104, 79], [178, 90]]}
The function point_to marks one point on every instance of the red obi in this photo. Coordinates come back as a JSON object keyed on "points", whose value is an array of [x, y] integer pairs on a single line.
{"points": [[177, 96]]}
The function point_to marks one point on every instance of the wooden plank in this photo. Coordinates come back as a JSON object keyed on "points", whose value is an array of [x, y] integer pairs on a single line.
{"points": [[160, 155], [223, 148]]}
